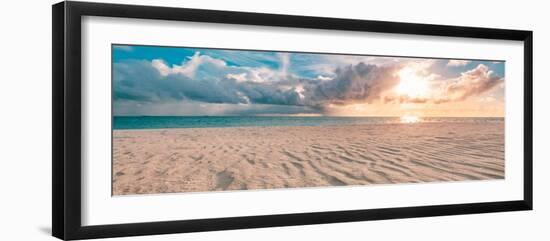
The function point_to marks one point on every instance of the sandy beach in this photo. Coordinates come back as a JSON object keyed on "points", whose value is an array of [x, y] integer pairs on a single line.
{"points": [[244, 158]]}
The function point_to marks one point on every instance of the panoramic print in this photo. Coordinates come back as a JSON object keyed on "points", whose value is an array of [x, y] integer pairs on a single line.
{"points": [[191, 119]]}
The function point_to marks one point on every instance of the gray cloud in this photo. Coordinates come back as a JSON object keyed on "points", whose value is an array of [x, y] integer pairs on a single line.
{"points": [[140, 81], [354, 83], [177, 108], [215, 83]]}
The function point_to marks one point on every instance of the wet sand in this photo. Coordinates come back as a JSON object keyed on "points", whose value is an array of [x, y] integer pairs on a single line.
{"points": [[216, 159]]}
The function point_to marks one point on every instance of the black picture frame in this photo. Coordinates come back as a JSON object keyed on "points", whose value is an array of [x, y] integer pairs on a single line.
{"points": [[66, 127]]}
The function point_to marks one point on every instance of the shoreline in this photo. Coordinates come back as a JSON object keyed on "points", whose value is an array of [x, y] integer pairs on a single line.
{"points": [[283, 126]]}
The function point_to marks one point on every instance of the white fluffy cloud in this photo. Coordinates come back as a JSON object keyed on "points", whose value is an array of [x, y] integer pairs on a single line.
{"points": [[189, 67], [457, 63], [472, 82]]}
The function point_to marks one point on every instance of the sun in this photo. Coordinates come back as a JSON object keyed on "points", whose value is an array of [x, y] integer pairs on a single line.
{"points": [[411, 85]]}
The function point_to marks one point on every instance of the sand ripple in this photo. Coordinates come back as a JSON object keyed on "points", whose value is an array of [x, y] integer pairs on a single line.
{"points": [[207, 159]]}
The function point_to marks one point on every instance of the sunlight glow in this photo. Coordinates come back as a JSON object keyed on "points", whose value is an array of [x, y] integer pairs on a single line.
{"points": [[411, 84], [409, 119]]}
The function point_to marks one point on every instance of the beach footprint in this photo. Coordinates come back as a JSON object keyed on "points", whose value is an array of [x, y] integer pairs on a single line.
{"points": [[224, 179]]}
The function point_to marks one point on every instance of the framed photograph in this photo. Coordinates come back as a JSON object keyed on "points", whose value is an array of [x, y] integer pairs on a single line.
{"points": [[170, 120]]}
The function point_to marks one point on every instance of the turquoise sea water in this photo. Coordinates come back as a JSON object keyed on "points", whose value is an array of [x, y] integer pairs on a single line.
{"points": [[161, 122]]}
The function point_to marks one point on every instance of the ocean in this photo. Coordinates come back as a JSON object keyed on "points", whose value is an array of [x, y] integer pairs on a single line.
{"points": [[162, 122]]}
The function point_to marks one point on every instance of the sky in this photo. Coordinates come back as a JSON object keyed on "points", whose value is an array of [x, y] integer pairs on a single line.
{"points": [[181, 81]]}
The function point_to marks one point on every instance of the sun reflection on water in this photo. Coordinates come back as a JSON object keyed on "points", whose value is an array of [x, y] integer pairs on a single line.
{"points": [[410, 119]]}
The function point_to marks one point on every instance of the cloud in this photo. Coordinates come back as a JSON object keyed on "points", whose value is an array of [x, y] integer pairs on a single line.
{"points": [[354, 83], [188, 68], [406, 99], [285, 62], [458, 63], [186, 108], [205, 79], [200, 79], [473, 82], [245, 58], [222, 88], [161, 66]]}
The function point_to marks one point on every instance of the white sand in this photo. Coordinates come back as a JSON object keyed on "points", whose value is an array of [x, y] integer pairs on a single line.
{"points": [[205, 159]]}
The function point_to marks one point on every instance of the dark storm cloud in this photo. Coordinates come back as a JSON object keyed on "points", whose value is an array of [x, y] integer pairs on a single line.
{"points": [[354, 83]]}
